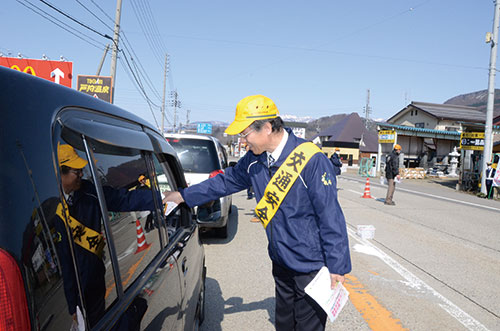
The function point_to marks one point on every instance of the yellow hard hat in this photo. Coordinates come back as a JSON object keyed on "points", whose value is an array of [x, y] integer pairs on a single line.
{"points": [[68, 157], [250, 109], [397, 146]]}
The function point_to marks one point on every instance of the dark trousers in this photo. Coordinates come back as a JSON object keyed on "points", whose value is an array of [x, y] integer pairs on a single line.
{"points": [[295, 310], [489, 191]]}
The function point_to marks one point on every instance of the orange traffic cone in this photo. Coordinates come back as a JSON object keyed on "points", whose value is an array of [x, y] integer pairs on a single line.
{"points": [[141, 238], [367, 189]]}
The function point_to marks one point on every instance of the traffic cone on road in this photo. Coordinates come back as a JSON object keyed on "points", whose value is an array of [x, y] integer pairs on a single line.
{"points": [[141, 238], [367, 189]]}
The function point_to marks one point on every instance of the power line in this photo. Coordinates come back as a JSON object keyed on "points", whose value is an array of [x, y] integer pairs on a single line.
{"points": [[93, 14], [75, 20], [146, 30], [61, 24]]}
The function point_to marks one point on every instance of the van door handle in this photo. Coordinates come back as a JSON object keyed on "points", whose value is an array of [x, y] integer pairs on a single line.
{"points": [[184, 266]]}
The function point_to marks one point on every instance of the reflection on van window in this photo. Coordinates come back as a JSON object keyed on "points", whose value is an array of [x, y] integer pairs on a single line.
{"points": [[78, 216], [164, 179], [196, 155], [134, 228]]}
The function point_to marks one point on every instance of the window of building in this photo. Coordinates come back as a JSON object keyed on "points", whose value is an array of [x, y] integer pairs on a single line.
{"points": [[420, 125]]}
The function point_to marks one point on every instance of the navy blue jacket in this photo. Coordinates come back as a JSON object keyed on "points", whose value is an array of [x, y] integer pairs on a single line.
{"points": [[91, 268], [308, 231], [337, 164]]}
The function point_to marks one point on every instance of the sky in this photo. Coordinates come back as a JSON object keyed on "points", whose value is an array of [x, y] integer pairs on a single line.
{"points": [[312, 58]]}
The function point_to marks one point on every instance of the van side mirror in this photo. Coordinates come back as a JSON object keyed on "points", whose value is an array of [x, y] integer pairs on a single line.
{"points": [[232, 163]]}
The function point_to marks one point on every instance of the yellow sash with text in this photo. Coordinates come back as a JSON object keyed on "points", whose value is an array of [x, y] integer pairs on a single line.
{"points": [[83, 236], [280, 184]]}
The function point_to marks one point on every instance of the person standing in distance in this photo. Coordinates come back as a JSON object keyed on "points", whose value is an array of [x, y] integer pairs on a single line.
{"points": [[298, 207], [336, 161], [490, 174], [391, 172]]}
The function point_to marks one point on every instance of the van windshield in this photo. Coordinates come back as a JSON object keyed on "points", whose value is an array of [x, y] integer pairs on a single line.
{"points": [[196, 155]]}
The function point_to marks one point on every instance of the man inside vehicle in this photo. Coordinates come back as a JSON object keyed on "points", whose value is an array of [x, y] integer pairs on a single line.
{"points": [[79, 215]]}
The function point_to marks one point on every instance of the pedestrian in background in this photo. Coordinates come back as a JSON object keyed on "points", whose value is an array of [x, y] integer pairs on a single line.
{"points": [[391, 173], [298, 207], [337, 162], [490, 174]]}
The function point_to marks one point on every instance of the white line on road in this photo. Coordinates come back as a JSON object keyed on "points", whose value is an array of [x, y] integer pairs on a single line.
{"points": [[413, 281], [361, 193], [450, 199], [436, 196]]}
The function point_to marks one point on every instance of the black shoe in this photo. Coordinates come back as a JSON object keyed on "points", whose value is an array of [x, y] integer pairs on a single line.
{"points": [[392, 203]]}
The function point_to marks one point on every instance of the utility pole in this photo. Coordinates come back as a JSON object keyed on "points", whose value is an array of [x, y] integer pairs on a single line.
{"points": [[163, 102], [102, 60], [115, 46], [488, 129], [187, 116], [367, 108], [176, 104]]}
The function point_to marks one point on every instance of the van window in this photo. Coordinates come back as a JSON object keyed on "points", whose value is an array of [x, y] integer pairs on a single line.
{"points": [[128, 190], [166, 183], [196, 155], [81, 242]]}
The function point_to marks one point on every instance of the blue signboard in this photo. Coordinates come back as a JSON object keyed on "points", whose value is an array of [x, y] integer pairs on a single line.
{"points": [[204, 128]]}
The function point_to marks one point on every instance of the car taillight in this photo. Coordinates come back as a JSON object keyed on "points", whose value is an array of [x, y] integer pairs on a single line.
{"points": [[13, 306], [215, 173]]}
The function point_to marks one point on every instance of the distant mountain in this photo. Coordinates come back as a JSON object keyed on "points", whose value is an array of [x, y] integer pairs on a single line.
{"points": [[477, 99], [293, 118]]}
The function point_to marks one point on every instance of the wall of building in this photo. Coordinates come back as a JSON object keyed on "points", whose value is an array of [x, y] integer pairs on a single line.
{"points": [[345, 153], [415, 116]]}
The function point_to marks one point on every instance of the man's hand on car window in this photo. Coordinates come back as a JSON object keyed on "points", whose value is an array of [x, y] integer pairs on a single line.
{"points": [[172, 196]]}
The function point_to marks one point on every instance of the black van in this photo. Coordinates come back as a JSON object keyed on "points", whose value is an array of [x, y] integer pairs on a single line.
{"points": [[85, 242]]}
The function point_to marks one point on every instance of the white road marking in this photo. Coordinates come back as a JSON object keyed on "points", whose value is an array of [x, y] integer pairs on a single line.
{"points": [[433, 196], [413, 281], [361, 194], [449, 199]]}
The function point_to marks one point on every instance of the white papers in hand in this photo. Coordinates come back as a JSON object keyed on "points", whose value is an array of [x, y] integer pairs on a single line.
{"points": [[170, 205], [332, 301]]}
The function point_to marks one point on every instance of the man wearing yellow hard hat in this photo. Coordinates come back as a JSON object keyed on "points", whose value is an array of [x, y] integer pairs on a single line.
{"points": [[391, 173], [295, 188]]}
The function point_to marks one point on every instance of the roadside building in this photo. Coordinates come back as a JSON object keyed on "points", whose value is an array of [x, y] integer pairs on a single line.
{"points": [[351, 137], [427, 132]]}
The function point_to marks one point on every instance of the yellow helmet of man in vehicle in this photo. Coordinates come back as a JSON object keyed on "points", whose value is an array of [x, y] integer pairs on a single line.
{"points": [[250, 109]]}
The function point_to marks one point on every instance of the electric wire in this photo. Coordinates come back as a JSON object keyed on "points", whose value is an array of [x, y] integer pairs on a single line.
{"points": [[139, 69], [146, 32], [154, 26], [95, 16], [139, 72], [74, 19], [61, 24], [134, 80]]}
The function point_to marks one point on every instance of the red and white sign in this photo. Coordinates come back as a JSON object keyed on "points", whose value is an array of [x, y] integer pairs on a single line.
{"points": [[59, 72]]}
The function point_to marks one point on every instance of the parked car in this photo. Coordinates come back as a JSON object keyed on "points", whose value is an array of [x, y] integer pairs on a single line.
{"points": [[55, 267], [203, 157]]}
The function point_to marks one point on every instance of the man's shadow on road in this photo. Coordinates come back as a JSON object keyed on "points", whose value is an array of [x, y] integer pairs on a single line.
{"points": [[216, 307]]}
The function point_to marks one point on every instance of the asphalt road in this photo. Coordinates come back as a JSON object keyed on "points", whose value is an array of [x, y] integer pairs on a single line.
{"points": [[434, 263]]}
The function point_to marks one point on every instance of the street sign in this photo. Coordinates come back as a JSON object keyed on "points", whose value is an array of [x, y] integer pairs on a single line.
{"points": [[204, 128], [59, 72], [386, 136], [96, 86], [472, 141]]}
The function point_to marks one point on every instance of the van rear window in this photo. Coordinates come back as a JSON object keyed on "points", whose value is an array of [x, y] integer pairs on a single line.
{"points": [[196, 155]]}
